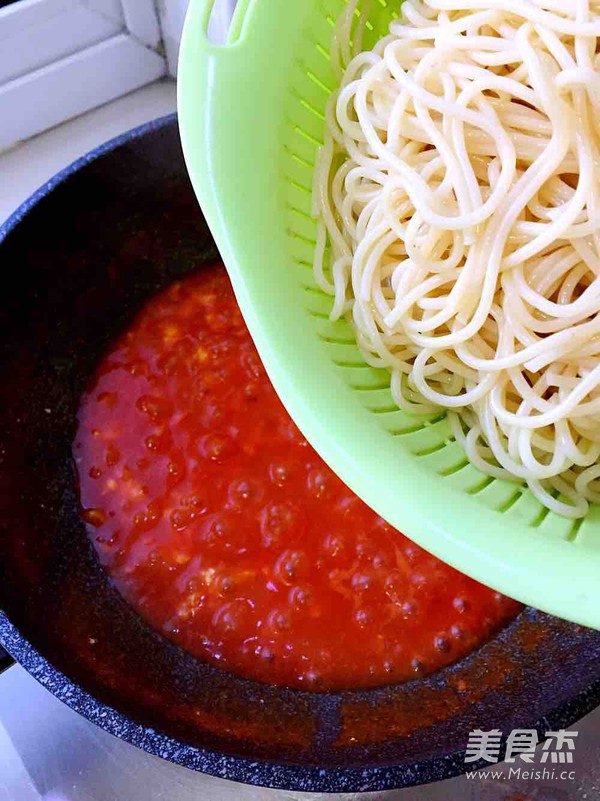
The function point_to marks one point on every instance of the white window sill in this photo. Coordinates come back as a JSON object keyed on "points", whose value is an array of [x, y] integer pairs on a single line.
{"points": [[30, 164], [61, 58]]}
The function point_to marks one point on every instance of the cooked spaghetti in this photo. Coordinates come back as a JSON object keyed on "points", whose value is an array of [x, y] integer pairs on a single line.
{"points": [[458, 203]]}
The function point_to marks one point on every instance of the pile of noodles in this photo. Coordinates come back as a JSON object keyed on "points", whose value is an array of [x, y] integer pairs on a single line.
{"points": [[458, 200]]}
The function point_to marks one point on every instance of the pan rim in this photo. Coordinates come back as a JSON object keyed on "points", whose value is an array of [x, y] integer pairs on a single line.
{"points": [[262, 773]]}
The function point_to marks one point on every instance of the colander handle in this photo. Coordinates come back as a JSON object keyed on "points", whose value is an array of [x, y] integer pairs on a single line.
{"points": [[201, 10], [221, 88]]}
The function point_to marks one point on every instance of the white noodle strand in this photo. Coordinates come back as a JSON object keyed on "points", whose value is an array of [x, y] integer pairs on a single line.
{"points": [[458, 203]]}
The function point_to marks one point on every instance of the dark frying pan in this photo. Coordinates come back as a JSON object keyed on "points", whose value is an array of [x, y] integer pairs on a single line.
{"points": [[79, 259]]}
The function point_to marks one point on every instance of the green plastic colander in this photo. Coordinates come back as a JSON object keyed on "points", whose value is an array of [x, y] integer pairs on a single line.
{"points": [[251, 119]]}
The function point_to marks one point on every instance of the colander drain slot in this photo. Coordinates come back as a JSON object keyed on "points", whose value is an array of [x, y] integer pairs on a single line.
{"points": [[432, 448], [572, 535], [508, 504], [318, 82], [481, 485], [450, 471]]}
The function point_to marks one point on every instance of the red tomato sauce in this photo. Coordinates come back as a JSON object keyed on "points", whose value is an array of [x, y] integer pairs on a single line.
{"points": [[224, 529]]}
